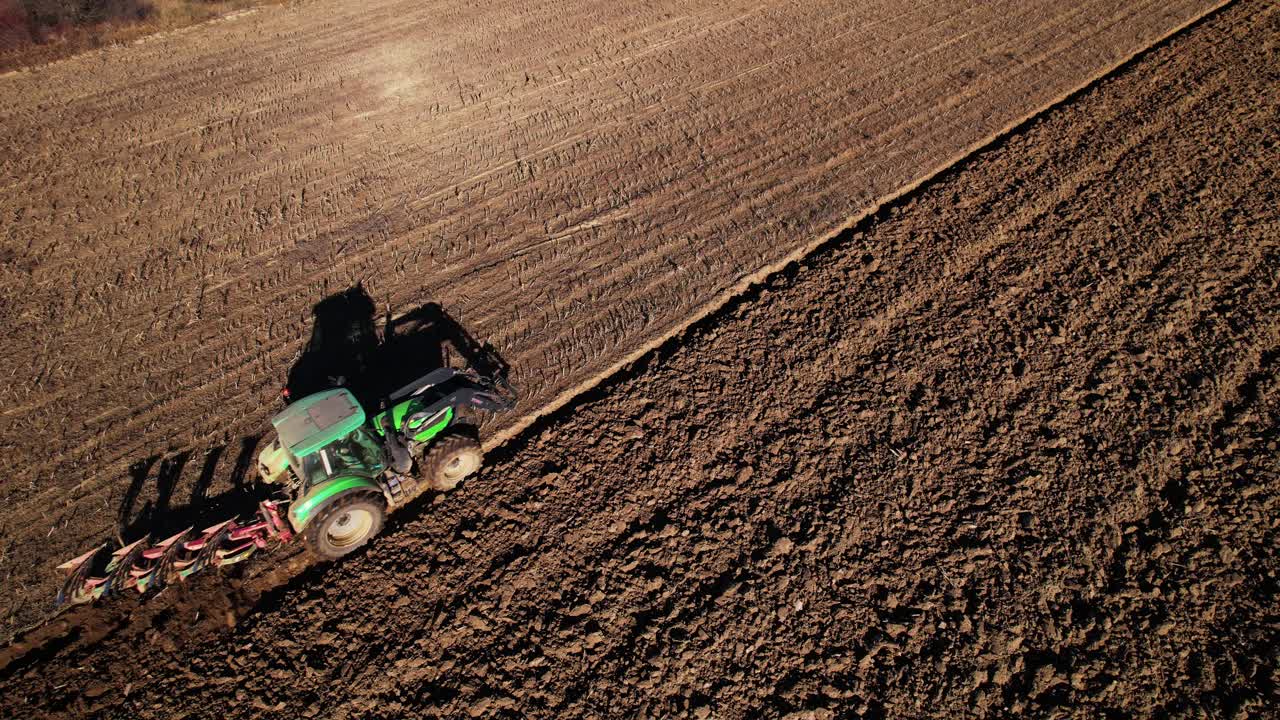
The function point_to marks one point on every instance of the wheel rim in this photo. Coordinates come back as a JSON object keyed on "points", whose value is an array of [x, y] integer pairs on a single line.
{"points": [[350, 527], [459, 466]]}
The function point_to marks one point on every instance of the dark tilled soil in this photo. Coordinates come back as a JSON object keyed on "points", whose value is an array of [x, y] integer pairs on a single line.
{"points": [[1008, 448]]}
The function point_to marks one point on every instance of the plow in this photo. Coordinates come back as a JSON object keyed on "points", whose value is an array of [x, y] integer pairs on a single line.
{"points": [[334, 472]]}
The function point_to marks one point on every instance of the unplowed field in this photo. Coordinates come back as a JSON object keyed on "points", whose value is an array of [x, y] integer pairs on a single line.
{"points": [[1006, 448], [571, 180]]}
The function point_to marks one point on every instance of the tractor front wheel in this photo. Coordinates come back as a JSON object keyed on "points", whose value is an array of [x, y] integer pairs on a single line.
{"points": [[450, 459], [345, 524]]}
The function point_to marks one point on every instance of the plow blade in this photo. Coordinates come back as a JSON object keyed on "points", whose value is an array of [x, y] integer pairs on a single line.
{"points": [[237, 553], [119, 573], [153, 571], [78, 588], [204, 549]]}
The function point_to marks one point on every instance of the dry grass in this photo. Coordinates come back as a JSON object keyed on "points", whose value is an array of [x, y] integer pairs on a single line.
{"points": [[34, 32]]}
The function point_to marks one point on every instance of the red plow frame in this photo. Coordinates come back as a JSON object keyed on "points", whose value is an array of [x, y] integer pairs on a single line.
{"points": [[142, 567]]}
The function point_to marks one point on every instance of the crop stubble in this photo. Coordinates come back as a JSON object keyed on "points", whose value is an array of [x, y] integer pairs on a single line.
{"points": [[570, 179]]}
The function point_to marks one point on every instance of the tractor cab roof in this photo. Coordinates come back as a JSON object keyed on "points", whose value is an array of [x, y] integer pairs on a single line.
{"points": [[317, 420]]}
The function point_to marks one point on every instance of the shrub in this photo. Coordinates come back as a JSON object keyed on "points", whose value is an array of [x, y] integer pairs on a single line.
{"points": [[15, 29], [54, 16]]}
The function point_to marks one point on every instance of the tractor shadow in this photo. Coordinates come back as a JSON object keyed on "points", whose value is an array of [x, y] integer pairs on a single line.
{"points": [[159, 517], [346, 348]]}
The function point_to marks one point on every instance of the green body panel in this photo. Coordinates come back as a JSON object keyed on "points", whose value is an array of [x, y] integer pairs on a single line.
{"points": [[301, 512], [317, 420], [434, 430], [420, 433]]}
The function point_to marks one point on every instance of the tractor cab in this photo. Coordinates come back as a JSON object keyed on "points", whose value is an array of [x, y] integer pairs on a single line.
{"points": [[320, 437], [331, 468]]}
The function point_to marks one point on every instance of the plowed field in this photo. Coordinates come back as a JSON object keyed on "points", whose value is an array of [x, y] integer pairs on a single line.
{"points": [[570, 180], [1006, 448]]}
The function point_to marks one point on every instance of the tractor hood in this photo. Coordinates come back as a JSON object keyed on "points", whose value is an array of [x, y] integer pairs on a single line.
{"points": [[317, 420]]}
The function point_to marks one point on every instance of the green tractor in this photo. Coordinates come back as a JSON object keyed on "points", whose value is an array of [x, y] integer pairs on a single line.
{"points": [[341, 470], [336, 472]]}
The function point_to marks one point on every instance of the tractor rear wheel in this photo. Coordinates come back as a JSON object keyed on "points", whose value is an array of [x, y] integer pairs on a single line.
{"points": [[450, 459], [345, 524]]}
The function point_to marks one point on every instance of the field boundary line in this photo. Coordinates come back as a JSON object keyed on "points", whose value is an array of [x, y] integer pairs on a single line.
{"points": [[566, 400]]}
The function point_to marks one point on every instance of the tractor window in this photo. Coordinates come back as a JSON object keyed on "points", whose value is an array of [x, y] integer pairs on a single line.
{"points": [[342, 456], [369, 452], [313, 468], [354, 453]]}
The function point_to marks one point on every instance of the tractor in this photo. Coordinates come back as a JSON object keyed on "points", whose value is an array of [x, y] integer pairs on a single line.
{"points": [[335, 472], [341, 470]]}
